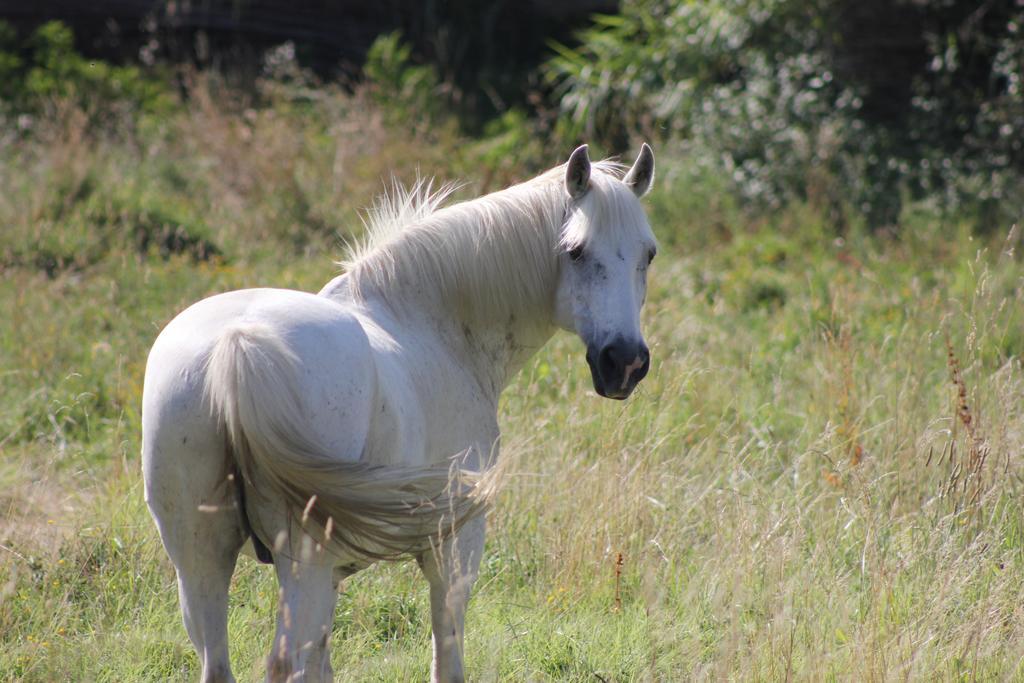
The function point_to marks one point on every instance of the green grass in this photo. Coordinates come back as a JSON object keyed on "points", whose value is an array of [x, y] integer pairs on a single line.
{"points": [[779, 487]]}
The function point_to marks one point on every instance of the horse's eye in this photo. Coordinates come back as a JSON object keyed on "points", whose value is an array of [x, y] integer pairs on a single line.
{"points": [[650, 256], [576, 253]]}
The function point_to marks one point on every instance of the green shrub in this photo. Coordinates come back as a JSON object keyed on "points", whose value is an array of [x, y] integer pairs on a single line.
{"points": [[407, 92], [805, 99], [45, 68]]}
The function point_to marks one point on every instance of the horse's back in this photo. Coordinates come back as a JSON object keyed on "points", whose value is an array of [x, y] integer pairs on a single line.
{"points": [[333, 374]]}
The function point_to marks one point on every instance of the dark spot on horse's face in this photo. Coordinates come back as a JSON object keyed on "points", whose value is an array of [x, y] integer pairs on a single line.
{"points": [[184, 439]]}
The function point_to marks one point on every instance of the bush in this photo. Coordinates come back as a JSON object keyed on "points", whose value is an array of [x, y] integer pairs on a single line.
{"points": [[45, 69], [408, 92], [806, 99]]}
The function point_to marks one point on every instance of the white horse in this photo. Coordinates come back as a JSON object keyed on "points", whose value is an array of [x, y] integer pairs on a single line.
{"points": [[345, 427]]}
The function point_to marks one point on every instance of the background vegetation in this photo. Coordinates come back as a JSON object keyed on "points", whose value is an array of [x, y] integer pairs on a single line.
{"points": [[821, 478]]}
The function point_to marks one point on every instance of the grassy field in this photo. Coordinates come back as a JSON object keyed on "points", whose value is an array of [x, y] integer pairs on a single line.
{"points": [[820, 479]]}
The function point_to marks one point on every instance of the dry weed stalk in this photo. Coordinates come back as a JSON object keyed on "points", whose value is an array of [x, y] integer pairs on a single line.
{"points": [[966, 480], [848, 429], [842, 385], [619, 561]]}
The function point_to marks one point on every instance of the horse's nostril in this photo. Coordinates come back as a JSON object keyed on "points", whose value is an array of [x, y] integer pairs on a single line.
{"points": [[608, 360], [621, 364], [618, 355]]}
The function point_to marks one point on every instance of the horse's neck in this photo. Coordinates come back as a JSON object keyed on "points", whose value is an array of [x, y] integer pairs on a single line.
{"points": [[492, 318], [496, 346], [492, 351], [501, 352]]}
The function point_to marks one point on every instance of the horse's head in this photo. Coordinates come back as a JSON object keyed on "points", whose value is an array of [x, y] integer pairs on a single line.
{"points": [[607, 246]]}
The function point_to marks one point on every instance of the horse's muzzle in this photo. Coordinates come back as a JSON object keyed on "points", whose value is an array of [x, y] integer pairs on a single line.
{"points": [[618, 367]]}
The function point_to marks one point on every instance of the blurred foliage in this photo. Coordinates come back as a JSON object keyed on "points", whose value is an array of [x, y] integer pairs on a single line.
{"points": [[413, 95], [408, 91], [807, 99], [45, 69], [754, 104]]}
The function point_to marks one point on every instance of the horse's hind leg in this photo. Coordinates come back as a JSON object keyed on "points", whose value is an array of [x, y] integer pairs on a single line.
{"points": [[305, 615], [193, 502], [203, 580]]}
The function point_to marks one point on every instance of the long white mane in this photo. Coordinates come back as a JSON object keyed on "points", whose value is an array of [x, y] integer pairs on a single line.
{"points": [[488, 256]]}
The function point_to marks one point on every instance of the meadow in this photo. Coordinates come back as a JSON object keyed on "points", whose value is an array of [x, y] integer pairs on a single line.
{"points": [[820, 479]]}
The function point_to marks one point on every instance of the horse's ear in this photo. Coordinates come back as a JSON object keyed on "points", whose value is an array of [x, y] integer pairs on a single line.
{"points": [[577, 173], [641, 176]]}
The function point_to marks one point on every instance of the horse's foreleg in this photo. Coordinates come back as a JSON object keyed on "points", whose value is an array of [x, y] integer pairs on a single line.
{"points": [[451, 571], [305, 615]]}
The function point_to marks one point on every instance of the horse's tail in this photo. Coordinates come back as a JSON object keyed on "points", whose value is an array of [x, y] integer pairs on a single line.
{"points": [[380, 512]]}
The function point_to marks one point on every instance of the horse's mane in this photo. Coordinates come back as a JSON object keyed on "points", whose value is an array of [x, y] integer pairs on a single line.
{"points": [[488, 256]]}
